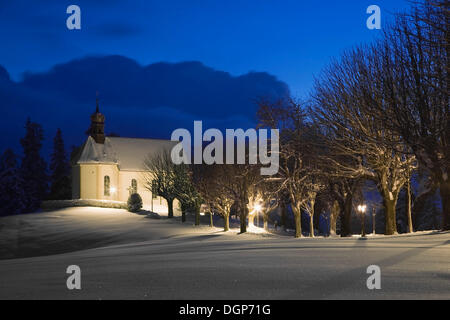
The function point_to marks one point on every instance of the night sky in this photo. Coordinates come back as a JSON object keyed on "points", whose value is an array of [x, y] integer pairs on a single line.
{"points": [[160, 65]]}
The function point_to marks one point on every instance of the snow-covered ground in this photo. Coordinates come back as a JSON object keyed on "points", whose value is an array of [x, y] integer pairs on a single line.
{"points": [[80, 228], [130, 256]]}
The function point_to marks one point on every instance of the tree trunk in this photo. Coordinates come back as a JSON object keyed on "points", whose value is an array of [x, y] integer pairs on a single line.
{"points": [[257, 218], [408, 206], [243, 216], [283, 215], [170, 206], [390, 218], [363, 224], [444, 190], [311, 218], [298, 222], [226, 224], [243, 222], [251, 219], [346, 217], [211, 222], [197, 216], [333, 218], [183, 216], [266, 221]]}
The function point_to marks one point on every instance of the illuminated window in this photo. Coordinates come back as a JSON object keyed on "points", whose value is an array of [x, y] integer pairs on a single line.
{"points": [[107, 186]]}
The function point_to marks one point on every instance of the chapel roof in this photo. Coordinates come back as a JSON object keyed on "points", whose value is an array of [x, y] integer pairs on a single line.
{"points": [[128, 153]]}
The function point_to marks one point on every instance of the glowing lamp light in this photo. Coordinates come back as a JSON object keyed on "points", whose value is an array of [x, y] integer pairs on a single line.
{"points": [[113, 190], [258, 207], [362, 208]]}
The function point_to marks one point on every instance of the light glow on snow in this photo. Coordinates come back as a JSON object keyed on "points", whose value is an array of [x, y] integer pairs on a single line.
{"points": [[254, 229]]}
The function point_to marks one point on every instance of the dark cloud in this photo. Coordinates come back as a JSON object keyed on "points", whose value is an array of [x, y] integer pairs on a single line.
{"points": [[4, 75], [188, 86], [115, 29], [138, 101]]}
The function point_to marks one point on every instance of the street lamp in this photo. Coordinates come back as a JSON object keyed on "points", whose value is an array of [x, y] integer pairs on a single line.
{"points": [[373, 221], [362, 210]]}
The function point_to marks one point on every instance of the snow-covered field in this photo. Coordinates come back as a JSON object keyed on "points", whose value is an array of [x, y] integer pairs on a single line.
{"points": [[129, 256]]}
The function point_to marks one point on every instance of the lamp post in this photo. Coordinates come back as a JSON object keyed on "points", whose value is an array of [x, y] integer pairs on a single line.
{"points": [[373, 220], [362, 210]]}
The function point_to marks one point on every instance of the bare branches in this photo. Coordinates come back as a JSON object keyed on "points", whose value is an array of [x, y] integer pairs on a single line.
{"points": [[160, 177]]}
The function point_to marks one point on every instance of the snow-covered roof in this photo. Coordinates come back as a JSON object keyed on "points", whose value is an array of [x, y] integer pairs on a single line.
{"points": [[98, 153], [127, 153]]}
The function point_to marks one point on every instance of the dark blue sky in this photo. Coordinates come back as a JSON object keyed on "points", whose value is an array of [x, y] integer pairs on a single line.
{"points": [[286, 42], [291, 39]]}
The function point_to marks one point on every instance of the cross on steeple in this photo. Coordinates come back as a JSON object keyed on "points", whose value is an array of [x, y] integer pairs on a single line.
{"points": [[97, 110]]}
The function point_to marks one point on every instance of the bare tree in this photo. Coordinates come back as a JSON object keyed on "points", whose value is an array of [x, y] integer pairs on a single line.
{"points": [[308, 204], [246, 177], [343, 190], [264, 198], [185, 191], [216, 184], [333, 218], [415, 69], [297, 171], [344, 98], [160, 176]]}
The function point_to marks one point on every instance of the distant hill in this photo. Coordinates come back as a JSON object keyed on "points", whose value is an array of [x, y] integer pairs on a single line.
{"points": [[138, 101]]}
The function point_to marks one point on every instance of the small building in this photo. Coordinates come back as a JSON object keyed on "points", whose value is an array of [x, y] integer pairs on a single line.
{"points": [[111, 168]]}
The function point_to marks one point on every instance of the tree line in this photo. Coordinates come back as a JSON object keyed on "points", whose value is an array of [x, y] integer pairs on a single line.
{"points": [[377, 115], [25, 182]]}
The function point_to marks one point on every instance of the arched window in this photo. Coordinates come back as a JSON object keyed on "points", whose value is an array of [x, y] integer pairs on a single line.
{"points": [[107, 186], [133, 188]]}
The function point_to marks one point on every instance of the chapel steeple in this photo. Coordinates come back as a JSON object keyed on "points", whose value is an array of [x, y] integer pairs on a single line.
{"points": [[97, 128]]}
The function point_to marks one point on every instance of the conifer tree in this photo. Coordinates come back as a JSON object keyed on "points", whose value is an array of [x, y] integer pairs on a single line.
{"points": [[11, 192], [60, 188], [33, 167]]}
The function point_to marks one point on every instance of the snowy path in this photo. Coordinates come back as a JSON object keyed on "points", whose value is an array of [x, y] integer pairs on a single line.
{"points": [[164, 260]]}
